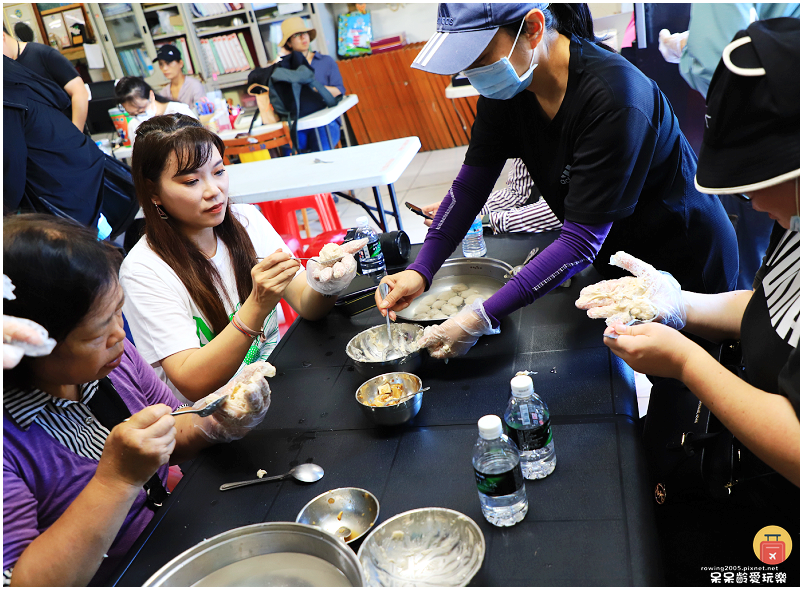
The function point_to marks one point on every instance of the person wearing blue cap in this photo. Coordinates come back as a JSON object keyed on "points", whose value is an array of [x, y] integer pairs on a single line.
{"points": [[600, 141], [751, 147]]}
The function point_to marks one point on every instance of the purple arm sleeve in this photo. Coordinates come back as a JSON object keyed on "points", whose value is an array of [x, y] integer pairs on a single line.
{"points": [[458, 210], [574, 250]]}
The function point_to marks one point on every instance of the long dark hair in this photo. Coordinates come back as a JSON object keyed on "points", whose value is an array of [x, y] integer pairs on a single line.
{"points": [[59, 270], [131, 87], [567, 19], [156, 140]]}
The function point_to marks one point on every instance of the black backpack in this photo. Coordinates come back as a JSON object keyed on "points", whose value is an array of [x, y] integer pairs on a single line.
{"points": [[294, 92]]}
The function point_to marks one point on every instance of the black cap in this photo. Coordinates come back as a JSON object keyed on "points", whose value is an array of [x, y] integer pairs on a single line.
{"points": [[752, 135], [168, 53]]}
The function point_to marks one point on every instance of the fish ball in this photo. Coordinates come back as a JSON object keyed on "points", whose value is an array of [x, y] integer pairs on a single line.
{"points": [[468, 293], [421, 316], [421, 309], [456, 301], [428, 300], [450, 310], [445, 295], [438, 316], [438, 304], [472, 299], [459, 287]]}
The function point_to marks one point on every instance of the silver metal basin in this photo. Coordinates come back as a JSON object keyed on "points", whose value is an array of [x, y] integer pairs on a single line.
{"points": [[370, 343], [237, 558], [423, 547]]}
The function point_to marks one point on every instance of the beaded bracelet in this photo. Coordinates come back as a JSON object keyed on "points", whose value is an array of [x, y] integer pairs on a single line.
{"points": [[241, 325]]}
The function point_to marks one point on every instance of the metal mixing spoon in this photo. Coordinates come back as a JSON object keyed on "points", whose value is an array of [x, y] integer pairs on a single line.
{"points": [[307, 473], [384, 289]]}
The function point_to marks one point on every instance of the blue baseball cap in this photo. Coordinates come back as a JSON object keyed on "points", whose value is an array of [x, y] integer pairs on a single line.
{"points": [[462, 33]]}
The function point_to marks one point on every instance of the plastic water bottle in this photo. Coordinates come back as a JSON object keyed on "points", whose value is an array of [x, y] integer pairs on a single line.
{"points": [[370, 256], [473, 244], [528, 421], [501, 487]]}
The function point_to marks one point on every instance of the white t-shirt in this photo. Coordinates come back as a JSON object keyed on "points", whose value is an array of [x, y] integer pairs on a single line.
{"points": [[172, 107], [162, 316]]}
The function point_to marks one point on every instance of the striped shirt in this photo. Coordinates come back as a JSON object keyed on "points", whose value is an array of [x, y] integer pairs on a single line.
{"points": [[507, 208]]}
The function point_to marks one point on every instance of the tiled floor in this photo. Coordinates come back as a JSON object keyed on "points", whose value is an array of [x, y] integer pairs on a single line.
{"points": [[425, 181]]}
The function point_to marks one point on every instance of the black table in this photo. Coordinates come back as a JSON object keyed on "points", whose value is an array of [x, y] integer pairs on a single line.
{"points": [[589, 523]]}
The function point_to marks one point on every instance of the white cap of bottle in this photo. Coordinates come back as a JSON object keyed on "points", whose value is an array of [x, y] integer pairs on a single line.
{"points": [[361, 221], [521, 386], [490, 427]]}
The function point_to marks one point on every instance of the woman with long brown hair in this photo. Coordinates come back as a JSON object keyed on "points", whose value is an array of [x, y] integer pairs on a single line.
{"points": [[199, 302]]}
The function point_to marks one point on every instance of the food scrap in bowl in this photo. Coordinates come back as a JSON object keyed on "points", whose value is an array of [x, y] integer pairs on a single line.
{"points": [[388, 394]]}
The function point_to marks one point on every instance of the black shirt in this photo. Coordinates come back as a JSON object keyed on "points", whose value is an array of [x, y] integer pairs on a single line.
{"points": [[614, 153], [48, 63], [771, 321], [48, 165]]}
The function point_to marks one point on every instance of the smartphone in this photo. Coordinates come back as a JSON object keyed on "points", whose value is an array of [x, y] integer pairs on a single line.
{"points": [[418, 211]]}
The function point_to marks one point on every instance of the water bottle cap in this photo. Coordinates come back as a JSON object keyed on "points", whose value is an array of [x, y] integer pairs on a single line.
{"points": [[490, 427], [363, 220], [521, 386]]}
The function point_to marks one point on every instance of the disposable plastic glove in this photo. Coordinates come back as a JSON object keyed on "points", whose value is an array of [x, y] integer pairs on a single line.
{"points": [[247, 404], [651, 295], [457, 335], [671, 45], [335, 278], [22, 336]]}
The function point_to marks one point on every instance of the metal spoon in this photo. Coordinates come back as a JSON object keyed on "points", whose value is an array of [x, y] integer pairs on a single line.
{"points": [[384, 289], [307, 473], [343, 532], [410, 395], [202, 412]]}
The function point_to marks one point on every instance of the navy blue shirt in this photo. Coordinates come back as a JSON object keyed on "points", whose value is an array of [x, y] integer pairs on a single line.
{"points": [[326, 71], [614, 153], [48, 165]]}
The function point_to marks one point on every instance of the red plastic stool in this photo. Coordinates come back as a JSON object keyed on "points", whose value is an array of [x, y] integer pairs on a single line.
{"points": [[282, 215]]}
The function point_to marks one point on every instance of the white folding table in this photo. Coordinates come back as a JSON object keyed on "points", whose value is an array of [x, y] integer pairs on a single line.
{"points": [[313, 121], [362, 166]]}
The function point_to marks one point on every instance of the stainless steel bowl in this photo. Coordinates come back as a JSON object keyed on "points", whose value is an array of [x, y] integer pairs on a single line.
{"points": [[488, 274], [423, 547], [354, 508], [370, 344], [264, 554], [398, 413]]}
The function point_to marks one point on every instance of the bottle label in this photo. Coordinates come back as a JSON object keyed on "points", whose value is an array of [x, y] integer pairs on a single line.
{"points": [[500, 484], [371, 250], [533, 439], [524, 414]]}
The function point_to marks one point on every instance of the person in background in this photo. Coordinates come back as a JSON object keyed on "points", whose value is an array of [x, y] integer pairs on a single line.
{"points": [[75, 473], [599, 139], [48, 165], [181, 88], [751, 146], [510, 209], [139, 100], [206, 269], [298, 37], [698, 51], [50, 64]]}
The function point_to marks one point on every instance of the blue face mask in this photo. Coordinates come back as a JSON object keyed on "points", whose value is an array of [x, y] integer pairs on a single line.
{"points": [[500, 80]]}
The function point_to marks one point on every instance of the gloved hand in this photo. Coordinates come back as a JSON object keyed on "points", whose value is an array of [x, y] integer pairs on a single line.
{"points": [[671, 45], [651, 295], [457, 335], [335, 278], [247, 404], [22, 336]]}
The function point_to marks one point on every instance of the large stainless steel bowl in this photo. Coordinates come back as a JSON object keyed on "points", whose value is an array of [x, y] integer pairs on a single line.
{"points": [[264, 554], [487, 274], [423, 547], [353, 508], [394, 414], [370, 343]]}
